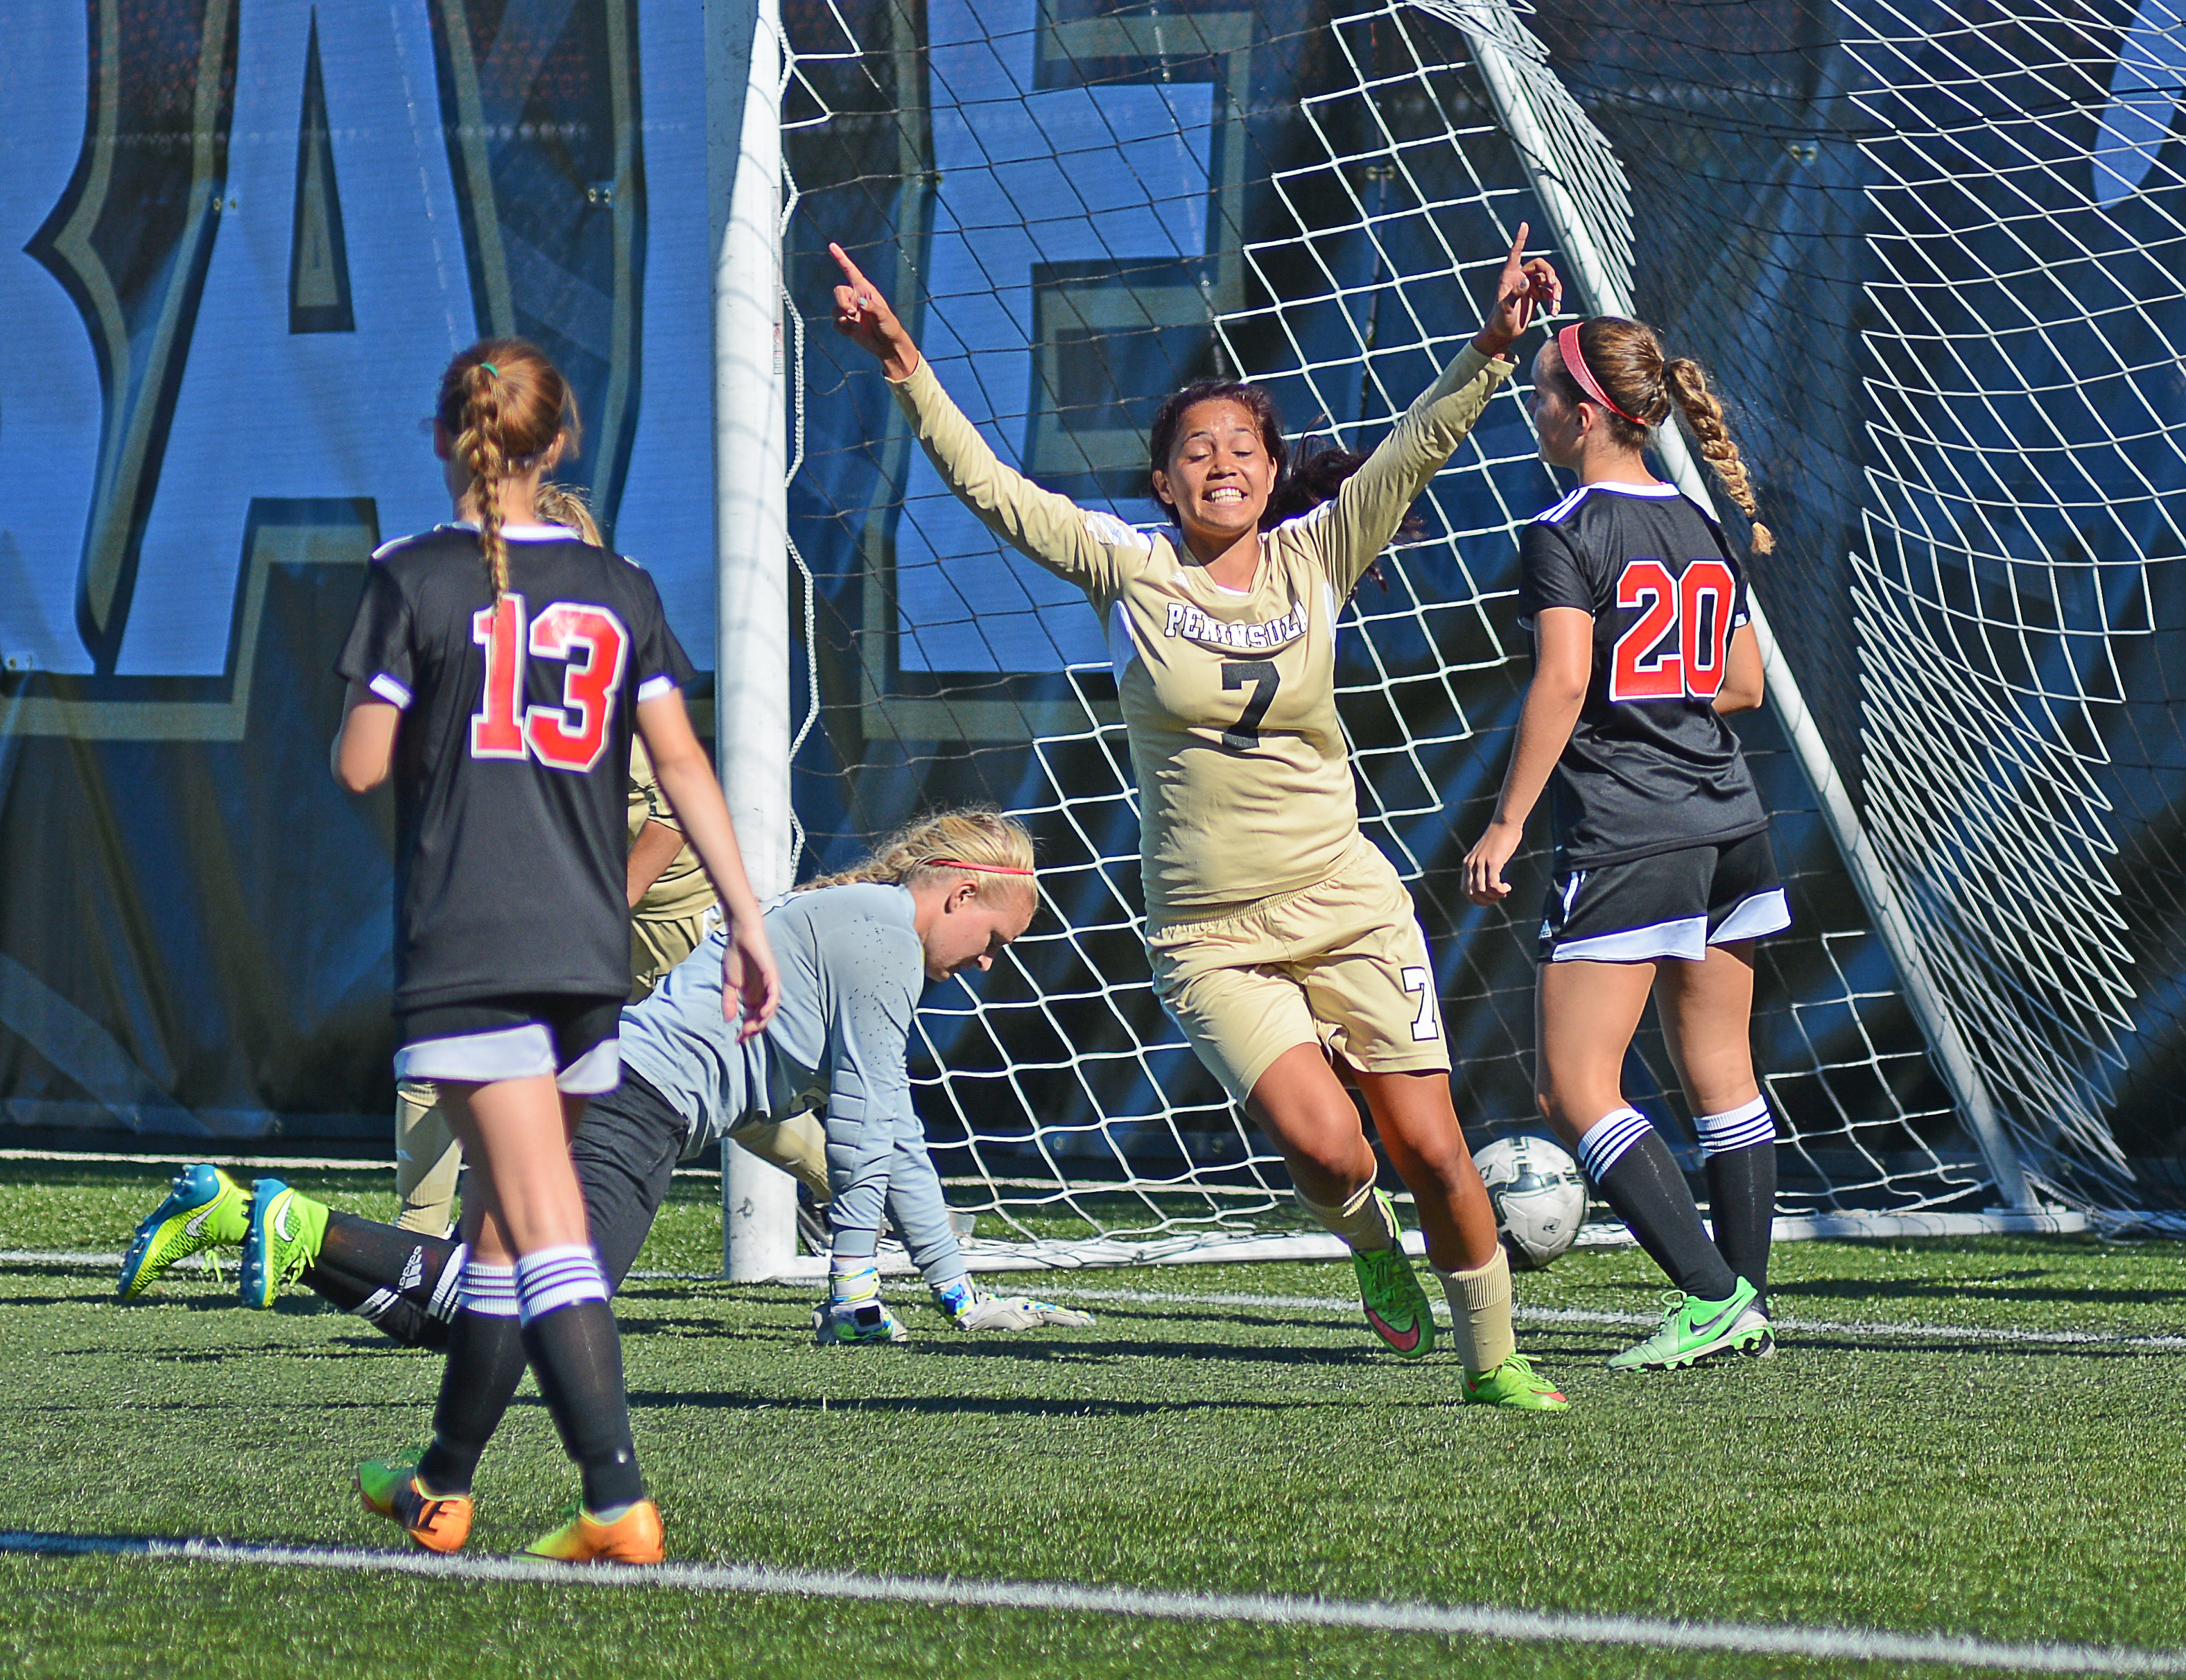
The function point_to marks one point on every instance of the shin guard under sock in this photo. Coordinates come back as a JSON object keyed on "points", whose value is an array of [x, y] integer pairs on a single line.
{"points": [[1363, 1221], [575, 1353], [1480, 1314], [404, 1282], [485, 1363], [1739, 1147], [1640, 1178]]}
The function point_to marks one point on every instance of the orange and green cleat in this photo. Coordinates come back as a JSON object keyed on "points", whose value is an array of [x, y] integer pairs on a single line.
{"points": [[633, 1538], [438, 1522]]}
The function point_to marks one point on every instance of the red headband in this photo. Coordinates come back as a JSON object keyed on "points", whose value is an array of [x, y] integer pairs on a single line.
{"points": [[1575, 361], [984, 869]]}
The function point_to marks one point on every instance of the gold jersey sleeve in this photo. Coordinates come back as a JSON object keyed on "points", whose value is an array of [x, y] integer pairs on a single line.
{"points": [[1229, 696], [682, 889]]}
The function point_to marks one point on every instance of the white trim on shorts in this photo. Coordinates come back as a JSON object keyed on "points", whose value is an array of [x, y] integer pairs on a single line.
{"points": [[522, 1052], [1684, 939], [596, 1072], [1750, 918]]}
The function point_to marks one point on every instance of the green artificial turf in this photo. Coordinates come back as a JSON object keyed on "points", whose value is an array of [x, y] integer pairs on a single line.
{"points": [[1951, 1484]]}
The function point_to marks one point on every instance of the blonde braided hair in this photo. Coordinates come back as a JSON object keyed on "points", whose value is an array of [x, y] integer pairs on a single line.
{"points": [[1626, 358], [979, 839], [502, 404], [565, 504]]}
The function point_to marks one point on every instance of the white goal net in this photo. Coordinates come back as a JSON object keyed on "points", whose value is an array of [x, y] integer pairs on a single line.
{"points": [[1079, 206]]}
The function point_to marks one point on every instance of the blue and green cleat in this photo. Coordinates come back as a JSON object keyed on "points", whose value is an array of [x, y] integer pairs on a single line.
{"points": [[286, 1229], [205, 1209]]}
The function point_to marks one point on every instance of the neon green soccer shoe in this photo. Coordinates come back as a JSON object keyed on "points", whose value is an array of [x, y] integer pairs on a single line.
{"points": [[1395, 1305], [286, 1229], [1516, 1384], [205, 1209], [1694, 1330]]}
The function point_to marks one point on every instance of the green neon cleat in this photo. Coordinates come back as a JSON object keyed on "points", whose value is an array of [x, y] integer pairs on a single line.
{"points": [[1693, 1330], [286, 1229], [1395, 1305], [205, 1209], [1516, 1384]]}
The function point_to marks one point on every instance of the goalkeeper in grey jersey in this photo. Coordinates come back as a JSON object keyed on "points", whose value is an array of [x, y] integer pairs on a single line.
{"points": [[939, 898]]}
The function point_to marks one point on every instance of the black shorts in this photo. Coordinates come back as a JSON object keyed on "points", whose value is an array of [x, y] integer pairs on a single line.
{"points": [[626, 1152], [577, 1039], [1671, 906]]}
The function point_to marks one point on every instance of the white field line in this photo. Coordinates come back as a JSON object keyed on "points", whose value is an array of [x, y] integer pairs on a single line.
{"points": [[1576, 1315], [1262, 1609], [1545, 1317]]}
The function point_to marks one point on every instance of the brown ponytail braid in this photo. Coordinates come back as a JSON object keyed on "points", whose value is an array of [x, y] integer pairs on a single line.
{"points": [[978, 840], [1688, 383], [502, 404], [1626, 360]]}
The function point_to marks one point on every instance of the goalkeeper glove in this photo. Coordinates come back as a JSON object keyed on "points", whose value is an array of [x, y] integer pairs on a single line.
{"points": [[974, 1309]]}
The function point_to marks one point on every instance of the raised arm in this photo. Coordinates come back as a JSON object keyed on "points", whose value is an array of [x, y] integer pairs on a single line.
{"points": [[1051, 529], [1374, 501]]}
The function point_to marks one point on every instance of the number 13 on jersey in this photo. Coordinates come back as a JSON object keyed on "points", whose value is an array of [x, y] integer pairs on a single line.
{"points": [[595, 648], [1677, 648]]}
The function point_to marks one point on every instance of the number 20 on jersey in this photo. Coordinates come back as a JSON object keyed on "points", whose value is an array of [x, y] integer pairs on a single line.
{"points": [[1677, 649], [594, 648]]}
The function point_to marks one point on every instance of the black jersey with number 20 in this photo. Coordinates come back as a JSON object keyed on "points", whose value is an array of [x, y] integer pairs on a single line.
{"points": [[1650, 767], [511, 756]]}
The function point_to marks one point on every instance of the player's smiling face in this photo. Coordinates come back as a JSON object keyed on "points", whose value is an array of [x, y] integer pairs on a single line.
{"points": [[1220, 475], [1557, 423]]}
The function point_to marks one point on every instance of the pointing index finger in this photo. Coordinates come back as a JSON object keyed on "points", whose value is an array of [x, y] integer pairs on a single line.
{"points": [[1517, 256], [851, 270]]}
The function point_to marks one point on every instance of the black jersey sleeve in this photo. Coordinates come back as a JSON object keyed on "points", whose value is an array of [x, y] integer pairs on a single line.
{"points": [[379, 652], [658, 662], [1551, 574]]}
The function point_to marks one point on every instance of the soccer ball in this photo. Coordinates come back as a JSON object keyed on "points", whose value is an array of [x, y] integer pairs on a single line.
{"points": [[1539, 1197]]}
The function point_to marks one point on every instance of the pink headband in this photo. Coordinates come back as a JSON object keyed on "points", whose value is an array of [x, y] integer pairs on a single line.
{"points": [[984, 869], [1567, 348]]}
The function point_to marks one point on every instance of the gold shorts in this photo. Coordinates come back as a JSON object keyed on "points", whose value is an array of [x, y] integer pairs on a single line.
{"points": [[1343, 964], [657, 945]]}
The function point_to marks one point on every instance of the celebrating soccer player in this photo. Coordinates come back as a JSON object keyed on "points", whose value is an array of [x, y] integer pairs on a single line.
{"points": [[1280, 938], [496, 669], [1663, 876]]}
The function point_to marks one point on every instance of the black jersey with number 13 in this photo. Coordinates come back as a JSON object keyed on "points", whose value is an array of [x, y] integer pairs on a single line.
{"points": [[1650, 767], [510, 761]]}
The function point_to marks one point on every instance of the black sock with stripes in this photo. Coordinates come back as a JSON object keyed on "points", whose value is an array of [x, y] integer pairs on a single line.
{"points": [[577, 1357], [1741, 1147], [1638, 1177], [1742, 1207], [404, 1282], [486, 1364]]}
